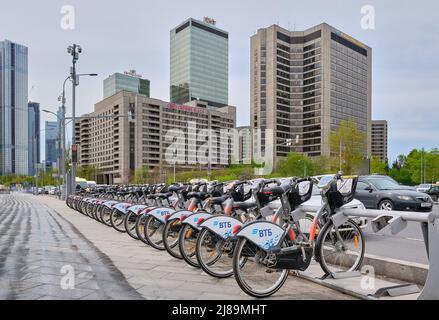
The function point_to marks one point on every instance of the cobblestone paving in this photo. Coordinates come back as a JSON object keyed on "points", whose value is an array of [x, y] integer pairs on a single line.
{"points": [[40, 235]]}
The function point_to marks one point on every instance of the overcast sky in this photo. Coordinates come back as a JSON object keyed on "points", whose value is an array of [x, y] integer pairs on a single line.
{"points": [[134, 34]]}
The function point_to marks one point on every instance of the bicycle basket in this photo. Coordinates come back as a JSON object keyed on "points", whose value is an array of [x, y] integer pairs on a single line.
{"points": [[345, 192], [237, 193], [301, 193]]}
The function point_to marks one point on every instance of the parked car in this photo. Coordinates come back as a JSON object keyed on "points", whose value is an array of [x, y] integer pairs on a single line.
{"points": [[433, 192], [423, 187], [52, 191], [393, 180], [376, 192]]}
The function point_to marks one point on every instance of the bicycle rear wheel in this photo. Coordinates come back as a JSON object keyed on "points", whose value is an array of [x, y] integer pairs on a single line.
{"points": [[170, 238], [130, 225], [252, 275], [187, 243], [140, 228], [215, 255], [340, 249], [117, 219], [154, 233]]}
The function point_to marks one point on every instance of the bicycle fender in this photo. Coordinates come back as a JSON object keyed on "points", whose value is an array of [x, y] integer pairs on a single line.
{"points": [[122, 207], [137, 209], [161, 213], [181, 215], [197, 218], [222, 226], [264, 234], [110, 204]]}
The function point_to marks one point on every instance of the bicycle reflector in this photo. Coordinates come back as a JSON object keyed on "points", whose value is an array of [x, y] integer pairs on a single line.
{"points": [[236, 229]]}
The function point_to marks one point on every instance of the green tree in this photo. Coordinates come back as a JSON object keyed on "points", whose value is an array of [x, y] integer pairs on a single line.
{"points": [[141, 175], [296, 164], [88, 173], [378, 166], [353, 145]]}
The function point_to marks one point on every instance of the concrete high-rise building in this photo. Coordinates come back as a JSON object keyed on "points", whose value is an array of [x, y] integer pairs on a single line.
{"points": [[200, 63], [303, 83], [245, 148], [118, 147], [52, 137], [34, 136], [128, 81], [379, 139], [14, 144]]}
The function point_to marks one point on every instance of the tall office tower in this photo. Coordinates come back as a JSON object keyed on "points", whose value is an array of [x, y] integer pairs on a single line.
{"points": [[118, 147], [128, 81], [303, 83], [13, 108], [245, 155], [52, 137], [379, 139], [34, 136], [200, 63]]}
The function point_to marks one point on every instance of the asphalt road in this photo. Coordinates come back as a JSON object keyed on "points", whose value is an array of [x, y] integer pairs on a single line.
{"points": [[408, 245]]}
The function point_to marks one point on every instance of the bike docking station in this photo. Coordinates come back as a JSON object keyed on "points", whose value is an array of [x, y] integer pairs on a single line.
{"points": [[358, 284]]}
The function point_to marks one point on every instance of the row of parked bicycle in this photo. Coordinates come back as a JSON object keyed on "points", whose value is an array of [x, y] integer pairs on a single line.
{"points": [[252, 230]]}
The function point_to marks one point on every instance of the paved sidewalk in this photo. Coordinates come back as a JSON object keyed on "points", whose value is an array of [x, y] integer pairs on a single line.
{"points": [[36, 245], [152, 274]]}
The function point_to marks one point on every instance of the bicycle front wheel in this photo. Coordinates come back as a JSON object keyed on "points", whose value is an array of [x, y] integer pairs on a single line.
{"points": [[340, 249], [252, 274]]}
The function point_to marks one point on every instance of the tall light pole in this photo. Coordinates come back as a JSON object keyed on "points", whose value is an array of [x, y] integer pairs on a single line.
{"points": [[36, 165], [74, 50]]}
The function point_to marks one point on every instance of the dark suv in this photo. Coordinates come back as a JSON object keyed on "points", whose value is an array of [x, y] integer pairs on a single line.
{"points": [[382, 193]]}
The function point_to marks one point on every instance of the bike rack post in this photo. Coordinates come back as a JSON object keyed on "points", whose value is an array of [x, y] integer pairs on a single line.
{"points": [[398, 221], [431, 287]]}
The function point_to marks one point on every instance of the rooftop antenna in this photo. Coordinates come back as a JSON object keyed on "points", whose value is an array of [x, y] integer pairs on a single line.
{"points": [[30, 92]]}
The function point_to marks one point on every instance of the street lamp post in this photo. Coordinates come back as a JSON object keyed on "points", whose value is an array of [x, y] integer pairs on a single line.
{"points": [[74, 51]]}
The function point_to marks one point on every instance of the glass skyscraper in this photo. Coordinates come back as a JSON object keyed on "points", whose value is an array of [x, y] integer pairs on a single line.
{"points": [[199, 63], [51, 142], [129, 81], [34, 136], [14, 142]]}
